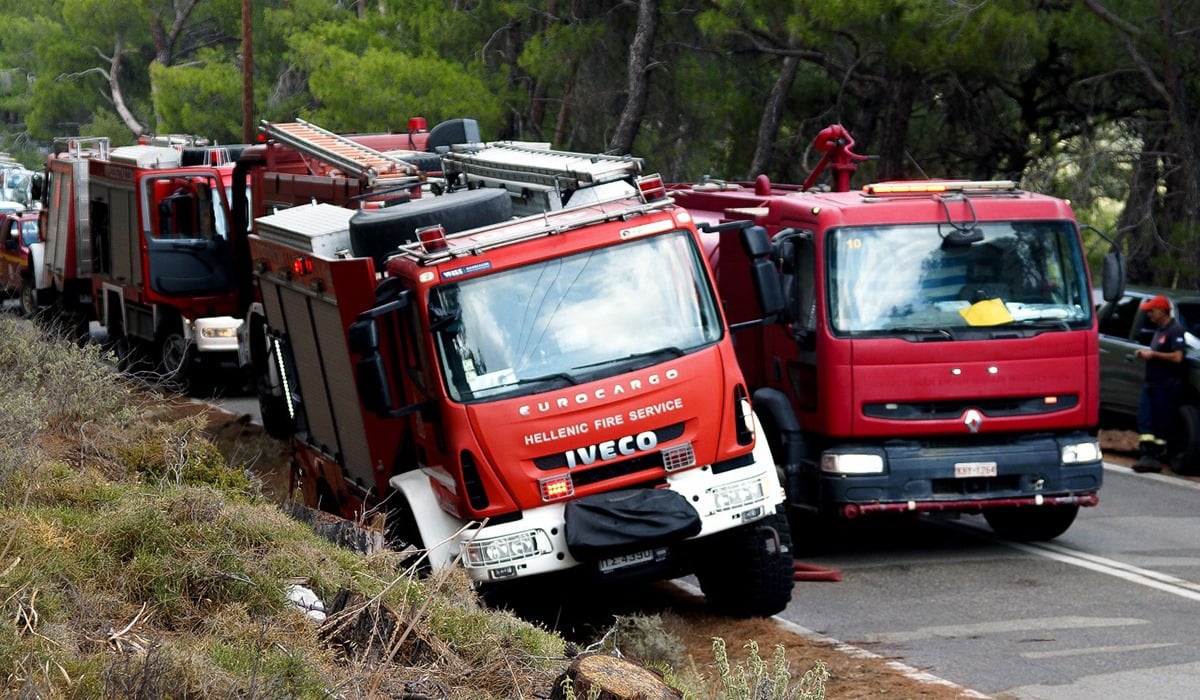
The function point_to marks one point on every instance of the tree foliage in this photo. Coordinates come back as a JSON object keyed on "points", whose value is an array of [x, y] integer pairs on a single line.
{"points": [[1091, 100]]}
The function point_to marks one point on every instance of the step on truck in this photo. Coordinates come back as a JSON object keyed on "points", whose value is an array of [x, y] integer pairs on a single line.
{"points": [[937, 352], [555, 394]]}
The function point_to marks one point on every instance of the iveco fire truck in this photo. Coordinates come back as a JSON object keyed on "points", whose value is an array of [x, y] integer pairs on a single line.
{"points": [[938, 348], [523, 397]]}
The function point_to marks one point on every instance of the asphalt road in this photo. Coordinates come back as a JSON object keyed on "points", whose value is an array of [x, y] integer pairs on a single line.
{"points": [[1109, 609]]}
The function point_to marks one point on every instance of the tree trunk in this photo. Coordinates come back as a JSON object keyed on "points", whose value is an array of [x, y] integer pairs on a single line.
{"points": [[772, 115], [605, 677], [114, 85], [639, 78], [893, 132]]}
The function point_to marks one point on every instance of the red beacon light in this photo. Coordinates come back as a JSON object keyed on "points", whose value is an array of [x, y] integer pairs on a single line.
{"points": [[302, 266], [652, 187], [432, 238], [416, 124]]}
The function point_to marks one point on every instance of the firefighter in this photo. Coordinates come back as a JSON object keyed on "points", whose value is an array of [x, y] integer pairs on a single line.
{"points": [[1162, 386]]}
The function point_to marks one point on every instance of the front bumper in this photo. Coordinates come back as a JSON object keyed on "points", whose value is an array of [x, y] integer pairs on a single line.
{"points": [[921, 477]]}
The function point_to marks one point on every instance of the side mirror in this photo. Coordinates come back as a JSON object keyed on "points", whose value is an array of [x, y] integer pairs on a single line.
{"points": [[763, 274], [1112, 274], [371, 380]]}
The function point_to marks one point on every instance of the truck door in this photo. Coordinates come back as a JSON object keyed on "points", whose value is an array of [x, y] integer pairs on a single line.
{"points": [[12, 259], [796, 350], [187, 239]]}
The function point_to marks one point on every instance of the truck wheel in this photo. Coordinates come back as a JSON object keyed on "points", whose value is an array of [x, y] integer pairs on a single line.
{"points": [[1031, 523], [129, 353], [29, 305], [1185, 449], [175, 356], [747, 572], [274, 401], [404, 536]]}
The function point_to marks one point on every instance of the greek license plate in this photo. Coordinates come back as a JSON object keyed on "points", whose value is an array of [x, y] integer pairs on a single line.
{"points": [[626, 560], [966, 470]]}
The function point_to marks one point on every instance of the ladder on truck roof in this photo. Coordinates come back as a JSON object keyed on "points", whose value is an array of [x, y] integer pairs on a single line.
{"points": [[82, 146], [513, 163], [351, 157]]}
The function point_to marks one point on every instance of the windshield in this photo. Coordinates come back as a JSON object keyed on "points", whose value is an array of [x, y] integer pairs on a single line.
{"points": [[574, 319], [903, 279]]}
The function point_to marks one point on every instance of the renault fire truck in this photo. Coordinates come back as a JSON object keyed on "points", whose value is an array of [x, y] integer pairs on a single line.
{"points": [[554, 394], [937, 351]]}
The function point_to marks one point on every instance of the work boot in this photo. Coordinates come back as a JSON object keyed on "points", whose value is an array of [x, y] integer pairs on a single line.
{"points": [[1147, 460]]}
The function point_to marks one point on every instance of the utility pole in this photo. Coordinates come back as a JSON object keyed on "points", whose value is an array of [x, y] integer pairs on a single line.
{"points": [[248, 135]]}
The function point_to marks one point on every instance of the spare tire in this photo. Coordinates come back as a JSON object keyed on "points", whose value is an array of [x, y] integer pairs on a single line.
{"points": [[425, 162], [376, 233]]}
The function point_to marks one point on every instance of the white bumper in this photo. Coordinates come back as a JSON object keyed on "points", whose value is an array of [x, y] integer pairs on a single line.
{"points": [[536, 543]]}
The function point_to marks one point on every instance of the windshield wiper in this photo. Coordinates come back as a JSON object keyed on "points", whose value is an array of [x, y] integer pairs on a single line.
{"points": [[921, 333], [655, 355], [1041, 323], [570, 380]]}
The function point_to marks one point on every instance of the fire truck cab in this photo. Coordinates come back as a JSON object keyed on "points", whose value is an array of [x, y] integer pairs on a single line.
{"points": [[938, 348]]}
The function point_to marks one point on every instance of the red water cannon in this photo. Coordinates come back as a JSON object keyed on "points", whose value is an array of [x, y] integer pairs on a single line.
{"points": [[837, 145]]}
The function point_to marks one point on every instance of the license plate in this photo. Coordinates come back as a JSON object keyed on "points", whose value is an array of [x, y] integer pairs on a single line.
{"points": [[966, 470], [626, 560]]}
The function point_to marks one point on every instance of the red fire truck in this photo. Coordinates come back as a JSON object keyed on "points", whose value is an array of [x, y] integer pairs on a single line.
{"points": [[141, 244], [21, 252], [556, 393], [937, 351]]}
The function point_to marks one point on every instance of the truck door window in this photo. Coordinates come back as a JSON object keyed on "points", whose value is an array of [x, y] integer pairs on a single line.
{"points": [[568, 320], [799, 284], [900, 279], [29, 231]]}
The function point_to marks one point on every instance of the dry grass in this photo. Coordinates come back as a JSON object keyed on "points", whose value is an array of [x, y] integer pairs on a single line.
{"points": [[138, 559]]}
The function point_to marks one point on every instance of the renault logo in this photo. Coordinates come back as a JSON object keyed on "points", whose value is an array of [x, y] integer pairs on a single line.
{"points": [[973, 419]]}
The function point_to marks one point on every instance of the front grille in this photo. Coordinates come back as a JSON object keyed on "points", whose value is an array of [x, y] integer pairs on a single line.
{"points": [[613, 470], [949, 410]]}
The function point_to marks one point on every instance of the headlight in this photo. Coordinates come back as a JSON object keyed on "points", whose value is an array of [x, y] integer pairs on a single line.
{"points": [[498, 550], [1081, 452], [852, 463], [218, 332], [736, 495]]}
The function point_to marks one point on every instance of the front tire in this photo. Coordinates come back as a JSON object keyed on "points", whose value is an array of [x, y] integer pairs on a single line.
{"points": [[748, 571], [29, 305], [175, 356], [1031, 523]]}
